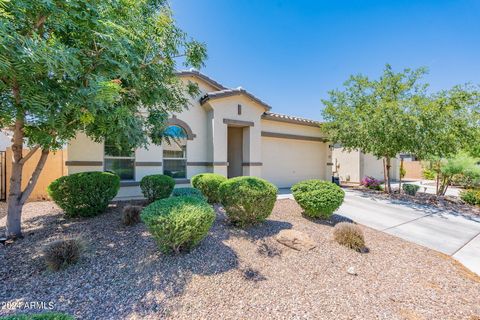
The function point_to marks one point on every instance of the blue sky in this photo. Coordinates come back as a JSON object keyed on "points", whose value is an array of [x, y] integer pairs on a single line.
{"points": [[291, 53]]}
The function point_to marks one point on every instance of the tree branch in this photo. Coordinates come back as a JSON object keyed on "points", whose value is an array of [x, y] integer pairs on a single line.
{"points": [[35, 175], [40, 22], [29, 154], [158, 59], [16, 92]]}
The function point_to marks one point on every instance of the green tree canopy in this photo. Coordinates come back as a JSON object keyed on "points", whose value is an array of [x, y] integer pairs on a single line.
{"points": [[102, 67], [375, 116], [394, 115]]}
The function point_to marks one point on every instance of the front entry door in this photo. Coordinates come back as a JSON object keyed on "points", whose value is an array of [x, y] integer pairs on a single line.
{"points": [[235, 151]]}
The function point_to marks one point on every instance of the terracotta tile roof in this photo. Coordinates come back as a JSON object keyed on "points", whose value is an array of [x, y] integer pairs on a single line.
{"points": [[195, 73], [290, 119], [232, 92]]}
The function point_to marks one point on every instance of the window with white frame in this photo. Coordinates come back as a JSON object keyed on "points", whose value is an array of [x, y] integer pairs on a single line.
{"points": [[120, 161], [175, 152]]}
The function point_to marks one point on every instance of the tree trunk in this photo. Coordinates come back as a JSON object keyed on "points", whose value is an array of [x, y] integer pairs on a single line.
{"points": [[385, 178], [13, 227], [17, 198], [388, 182], [14, 211], [437, 178], [400, 176]]}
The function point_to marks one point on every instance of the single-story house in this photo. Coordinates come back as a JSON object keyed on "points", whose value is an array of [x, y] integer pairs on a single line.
{"points": [[225, 131]]}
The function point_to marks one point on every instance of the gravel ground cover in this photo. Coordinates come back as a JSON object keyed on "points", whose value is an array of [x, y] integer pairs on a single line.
{"points": [[3, 209], [442, 202], [233, 274]]}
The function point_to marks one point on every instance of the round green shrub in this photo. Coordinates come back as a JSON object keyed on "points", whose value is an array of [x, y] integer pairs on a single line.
{"points": [[208, 184], [410, 189], [318, 198], [247, 200], [188, 192], [157, 186], [84, 194], [178, 223], [471, 196]]}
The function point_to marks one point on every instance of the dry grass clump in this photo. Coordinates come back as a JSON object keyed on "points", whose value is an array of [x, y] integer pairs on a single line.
{"points": [[349, 235], [60, 254], [131, 215]]}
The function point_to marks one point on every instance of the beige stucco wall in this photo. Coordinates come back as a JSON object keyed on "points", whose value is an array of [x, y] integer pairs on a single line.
{"points": [[227, 108], [373, 167], [354, 166], [5, 140], [289, 128], [347, 164]]}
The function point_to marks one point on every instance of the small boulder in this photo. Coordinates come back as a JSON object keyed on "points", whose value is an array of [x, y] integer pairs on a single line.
{"points": [[352, 271], [296, 240]]}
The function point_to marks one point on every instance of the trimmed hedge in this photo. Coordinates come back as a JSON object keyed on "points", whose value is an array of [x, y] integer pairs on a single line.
{"points": [[178, 223], [157, 186], [208, 184], [410, 189], [84, 194], [471, 196], [188, 192], [247, 200], [318, 198], [39, 316]]}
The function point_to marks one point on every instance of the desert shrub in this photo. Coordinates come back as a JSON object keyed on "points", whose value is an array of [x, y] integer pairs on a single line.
{"points": [[60, 254], [410, 189], [178, 223], [131, 215], [349, 235], [188, 192], [84, 194], [247, 200], [429, 174], [39, 316], [471, 196], [371, 183], [157, 186], [469, 178], [208, 184], [318, 199]]}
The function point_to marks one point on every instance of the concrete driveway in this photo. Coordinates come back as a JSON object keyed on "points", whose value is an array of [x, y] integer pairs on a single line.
{"points": [[452, 233]]}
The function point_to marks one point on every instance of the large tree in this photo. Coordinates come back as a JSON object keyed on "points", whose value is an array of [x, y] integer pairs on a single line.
{"points": [[448, 128], [374, 116], [394, 115], [102, 67]]}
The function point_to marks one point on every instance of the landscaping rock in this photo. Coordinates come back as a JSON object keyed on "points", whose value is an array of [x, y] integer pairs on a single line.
{"points": [[351, 271], [296, 240]]}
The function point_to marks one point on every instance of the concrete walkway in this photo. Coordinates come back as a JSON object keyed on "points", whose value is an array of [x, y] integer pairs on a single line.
{"points": [[452, 233]]}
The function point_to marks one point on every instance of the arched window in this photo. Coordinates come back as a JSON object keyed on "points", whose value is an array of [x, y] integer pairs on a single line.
{"points": [[175, 152]]}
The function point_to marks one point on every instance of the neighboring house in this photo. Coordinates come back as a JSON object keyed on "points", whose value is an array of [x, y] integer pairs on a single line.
{"points": [[226, 131], [355, 165]]}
